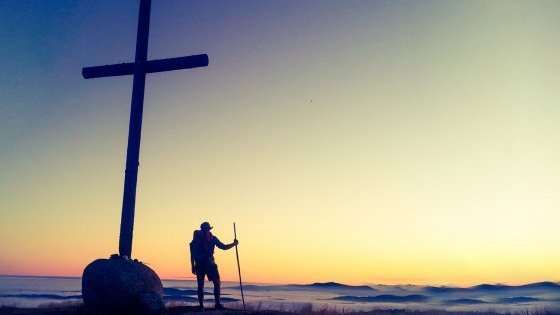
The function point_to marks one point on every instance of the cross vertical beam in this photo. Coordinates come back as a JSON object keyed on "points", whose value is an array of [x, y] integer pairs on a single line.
{"points": [[138, 69], [135, 130]]}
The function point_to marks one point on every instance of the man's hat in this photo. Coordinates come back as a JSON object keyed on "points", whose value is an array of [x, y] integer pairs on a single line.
{"points": [[205, 226]]}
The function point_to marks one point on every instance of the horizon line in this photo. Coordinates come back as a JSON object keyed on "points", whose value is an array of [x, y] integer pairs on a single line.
{"points": [[284, 284]]}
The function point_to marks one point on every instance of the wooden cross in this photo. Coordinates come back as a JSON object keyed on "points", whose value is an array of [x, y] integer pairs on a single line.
{"points": [[138, 69]]}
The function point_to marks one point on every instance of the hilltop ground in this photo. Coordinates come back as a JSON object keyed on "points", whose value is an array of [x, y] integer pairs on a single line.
{"points": [[183, 310]]}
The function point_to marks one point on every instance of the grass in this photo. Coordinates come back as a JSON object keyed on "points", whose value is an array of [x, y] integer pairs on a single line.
{"points": [[308, 309], [74, 308]]}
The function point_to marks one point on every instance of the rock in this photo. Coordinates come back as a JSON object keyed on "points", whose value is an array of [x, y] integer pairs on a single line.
{"points": [[121, 285]]}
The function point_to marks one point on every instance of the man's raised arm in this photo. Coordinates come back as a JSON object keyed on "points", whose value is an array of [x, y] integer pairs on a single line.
{"points": [[223, 246]]}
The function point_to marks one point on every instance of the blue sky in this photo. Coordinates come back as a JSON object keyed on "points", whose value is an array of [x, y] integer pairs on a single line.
{"points": [[428, 130]]}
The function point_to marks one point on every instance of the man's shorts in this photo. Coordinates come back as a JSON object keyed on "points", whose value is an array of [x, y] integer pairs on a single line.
{"points": [[207, 268]]}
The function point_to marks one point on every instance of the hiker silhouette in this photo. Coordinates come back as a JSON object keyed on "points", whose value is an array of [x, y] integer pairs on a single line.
{"points": [[202, 261]]}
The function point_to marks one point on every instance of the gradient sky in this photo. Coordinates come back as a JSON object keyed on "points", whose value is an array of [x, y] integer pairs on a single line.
{"points": [[351, 141]]}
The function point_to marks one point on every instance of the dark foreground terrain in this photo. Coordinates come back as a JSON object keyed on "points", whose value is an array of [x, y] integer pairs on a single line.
{"points": [[180, 310], [80, 310]]}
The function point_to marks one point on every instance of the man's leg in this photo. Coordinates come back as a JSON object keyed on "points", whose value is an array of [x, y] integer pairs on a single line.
{"points": [[200, 281], [215, 277], [217, 292]]}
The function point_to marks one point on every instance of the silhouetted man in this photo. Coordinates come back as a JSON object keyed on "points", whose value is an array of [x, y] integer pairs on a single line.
{"points": [[202, 261]]}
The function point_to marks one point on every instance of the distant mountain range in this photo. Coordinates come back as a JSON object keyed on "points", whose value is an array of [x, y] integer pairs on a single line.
{"points": [[334, 285], [547, 293], [318, 286], [497, 288], [483, 288]]}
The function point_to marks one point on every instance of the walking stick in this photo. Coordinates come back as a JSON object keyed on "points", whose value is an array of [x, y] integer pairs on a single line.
{"points": [[238, 267]]}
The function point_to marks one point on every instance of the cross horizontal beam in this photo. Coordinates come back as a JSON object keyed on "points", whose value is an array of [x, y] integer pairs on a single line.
{"points": [[152, 66]]}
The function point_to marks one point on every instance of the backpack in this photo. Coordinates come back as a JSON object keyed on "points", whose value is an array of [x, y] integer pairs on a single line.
{"points": [[199, 246]]}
